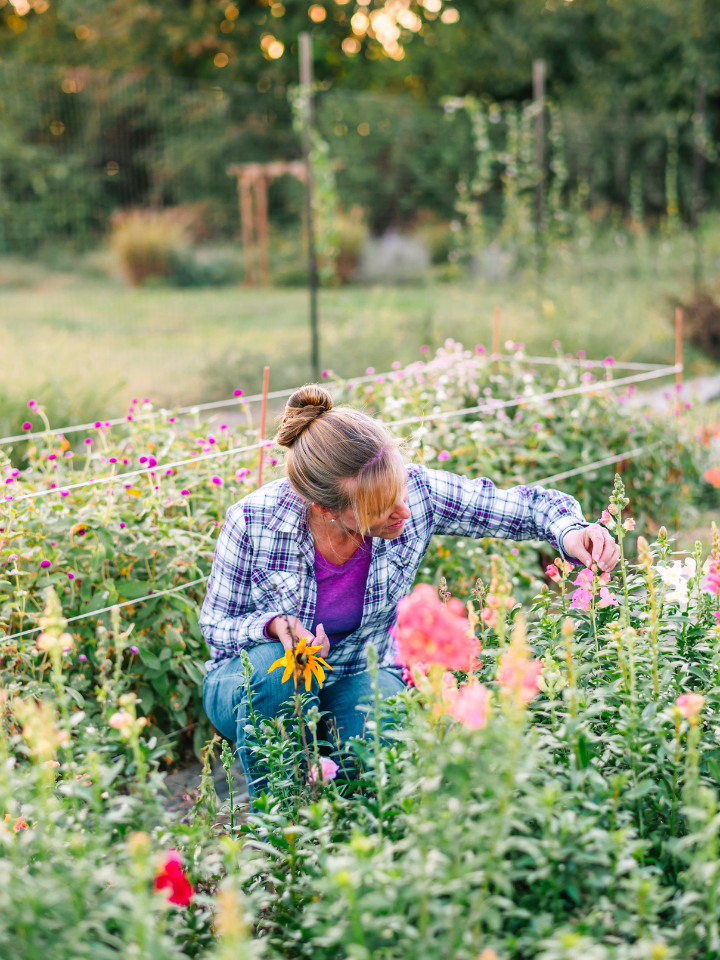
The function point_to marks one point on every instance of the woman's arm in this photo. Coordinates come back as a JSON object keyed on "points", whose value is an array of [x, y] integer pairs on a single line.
{"points": [[229, 620], [477, 508]]}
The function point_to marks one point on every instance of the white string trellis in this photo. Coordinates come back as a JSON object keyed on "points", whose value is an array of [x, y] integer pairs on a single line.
{"points": [[586, 468], [488, 407], [126, 603], [277, 394]]}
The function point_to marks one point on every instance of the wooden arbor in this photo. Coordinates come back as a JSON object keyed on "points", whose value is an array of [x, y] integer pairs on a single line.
{"points": [[254, 178]]}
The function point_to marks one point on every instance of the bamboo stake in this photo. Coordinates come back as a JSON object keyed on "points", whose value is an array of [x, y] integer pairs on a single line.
{"points": [[246, 219], [263, 421], [679, 344], [497, 316]]}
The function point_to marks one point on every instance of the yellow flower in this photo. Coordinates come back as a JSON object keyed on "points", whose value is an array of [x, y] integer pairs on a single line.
{"points": [[303, 662]]}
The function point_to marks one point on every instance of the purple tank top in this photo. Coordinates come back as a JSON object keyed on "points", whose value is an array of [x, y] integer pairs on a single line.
{"points": [[341, 593]]}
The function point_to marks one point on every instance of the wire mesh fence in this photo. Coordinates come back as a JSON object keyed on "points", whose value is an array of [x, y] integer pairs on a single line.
{"points": [[76, 146]]}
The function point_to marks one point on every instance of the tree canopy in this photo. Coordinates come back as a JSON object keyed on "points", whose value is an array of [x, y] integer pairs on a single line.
{"points": [[608, 55]]}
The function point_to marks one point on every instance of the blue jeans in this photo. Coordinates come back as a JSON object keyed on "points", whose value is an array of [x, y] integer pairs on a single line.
{"points": [[225, 699]]}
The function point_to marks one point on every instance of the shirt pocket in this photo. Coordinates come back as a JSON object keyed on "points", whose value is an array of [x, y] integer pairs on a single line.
{"points": [[275, 590], [403, 563]]}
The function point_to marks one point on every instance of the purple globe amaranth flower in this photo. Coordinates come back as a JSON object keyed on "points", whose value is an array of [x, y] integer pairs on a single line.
{"points": [[45, 564], [32, 403], [211, 438], [112, 460], [424, 348], [143, 460], [237, 393], [69, 455], [171, 420], [122, 525], [52, 456], [479, 348], [88, 441], [184, 493], [64, 493], [71, 576], [370, 371], [129, 416], [218, 481], [97, 424], [151, 462], [443, 455], [27, 426], [134, 650], [82, 658]]}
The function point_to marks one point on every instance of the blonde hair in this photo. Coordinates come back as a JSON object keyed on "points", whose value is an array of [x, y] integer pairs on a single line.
{"points": [[338, 457]]}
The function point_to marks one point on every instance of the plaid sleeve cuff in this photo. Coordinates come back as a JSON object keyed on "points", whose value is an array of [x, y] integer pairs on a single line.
{"points": [[571, 523]]}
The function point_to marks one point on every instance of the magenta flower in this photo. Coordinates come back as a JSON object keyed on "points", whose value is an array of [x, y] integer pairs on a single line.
{"points": [[146, 400], [556, 344], [97, 424], [129, 416], [134, 650], [237, 393], [424, 348], [27, 426], [113, 460], [151, 462], [581, 600], [581, 354], [125, 460], [171, 420], [10, 480], [242, 473], [52, 456], [71, 576], [223, 426], [479, 348], [32, 403], [69, 455], [370, 371], [135, 399], [396, 365], [88, 441], [168, 472], [584, 578], [45, 564], [443, 455], [218, 481], [211, 439], [122, 525], [324, 374], [184, 493], [143, 460], [64, 493], [82, 657], [536, 426]]}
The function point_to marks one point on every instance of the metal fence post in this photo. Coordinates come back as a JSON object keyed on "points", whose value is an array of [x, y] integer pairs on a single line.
{"points": [[306, 81]]}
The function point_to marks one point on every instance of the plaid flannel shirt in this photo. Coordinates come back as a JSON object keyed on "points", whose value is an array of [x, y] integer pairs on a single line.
{"points": [[264, 562]]}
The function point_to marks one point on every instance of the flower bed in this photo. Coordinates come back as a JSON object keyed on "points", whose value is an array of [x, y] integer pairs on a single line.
{"points": [[547, 788]]}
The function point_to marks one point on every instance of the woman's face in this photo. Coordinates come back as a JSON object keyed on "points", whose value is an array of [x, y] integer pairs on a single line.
{"points": [[388, 526]]}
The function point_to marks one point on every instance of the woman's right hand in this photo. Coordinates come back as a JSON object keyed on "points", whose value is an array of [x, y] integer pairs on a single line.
{"points": [[284, 628]]}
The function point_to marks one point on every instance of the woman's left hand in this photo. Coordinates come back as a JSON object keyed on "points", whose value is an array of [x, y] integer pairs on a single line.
{"points": [[592, 544]]}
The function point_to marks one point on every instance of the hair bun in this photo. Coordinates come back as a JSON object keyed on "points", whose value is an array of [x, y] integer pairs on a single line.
{"points": [[303, 407]]}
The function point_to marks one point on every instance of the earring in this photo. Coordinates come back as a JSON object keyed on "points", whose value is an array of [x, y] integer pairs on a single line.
{"points": [[333, 520]]}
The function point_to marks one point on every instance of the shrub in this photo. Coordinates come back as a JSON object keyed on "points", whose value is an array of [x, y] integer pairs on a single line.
{"points": [[151, 243]]}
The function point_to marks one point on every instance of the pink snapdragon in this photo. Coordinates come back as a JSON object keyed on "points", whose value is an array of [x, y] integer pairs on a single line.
{"points": [[518, 674], [607, 599], [690, 705], [711, 581], [427, 632], [585, 578], [328, 770], [552, 571], [468, 704], [581, 599]]}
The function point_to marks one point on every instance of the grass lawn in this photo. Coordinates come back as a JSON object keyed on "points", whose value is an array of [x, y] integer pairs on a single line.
{"points": [[86, 343]]}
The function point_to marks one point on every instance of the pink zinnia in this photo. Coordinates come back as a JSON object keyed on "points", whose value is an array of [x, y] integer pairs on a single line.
{"points": [[690, 705], [429, 633], [468, 704], [328, 770]]}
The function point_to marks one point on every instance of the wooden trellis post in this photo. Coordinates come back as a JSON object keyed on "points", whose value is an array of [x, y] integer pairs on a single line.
{"points": [[253, 178]]}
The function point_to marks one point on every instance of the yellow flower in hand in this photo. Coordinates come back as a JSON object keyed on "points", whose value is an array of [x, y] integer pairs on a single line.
{"points": [[303, 662]]}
